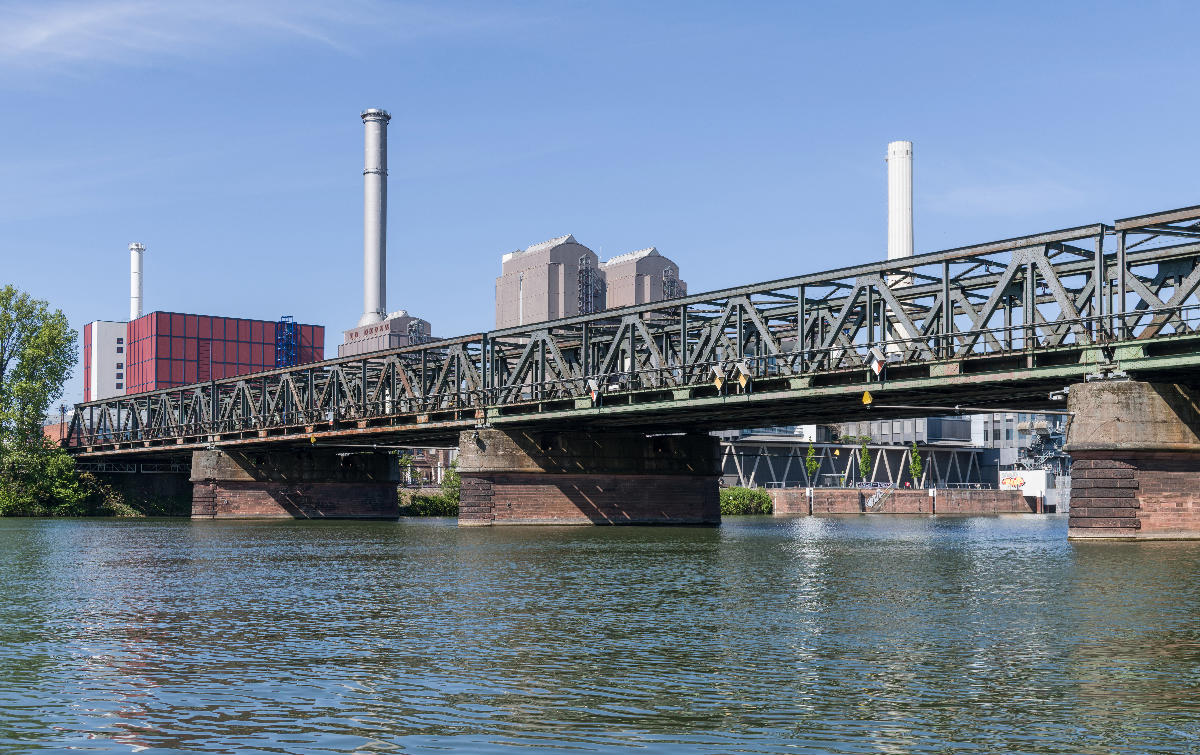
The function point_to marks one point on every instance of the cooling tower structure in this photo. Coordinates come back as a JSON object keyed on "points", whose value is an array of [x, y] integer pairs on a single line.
{"points": [[135, 280], [900, 200], [375, 123]]}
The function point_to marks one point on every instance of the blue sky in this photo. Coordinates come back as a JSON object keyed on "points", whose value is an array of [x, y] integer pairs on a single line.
{"points": [[744, 140]]}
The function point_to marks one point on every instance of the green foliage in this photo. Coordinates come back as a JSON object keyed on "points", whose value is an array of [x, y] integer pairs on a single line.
{"points": [[811, 463], [738, 501], [445, 503], [864, 460], [43, 481], [914, 464], [37, 351], [452, 484], [429, 505]]}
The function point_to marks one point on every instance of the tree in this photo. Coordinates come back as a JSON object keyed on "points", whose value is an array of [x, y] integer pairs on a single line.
{"points": [[37, 351], [406, 468], [452, 483], [914, 464], [864, 460], [811, 463]]}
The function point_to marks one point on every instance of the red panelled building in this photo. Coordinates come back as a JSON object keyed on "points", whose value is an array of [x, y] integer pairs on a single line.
{"points": [[169, 349]]}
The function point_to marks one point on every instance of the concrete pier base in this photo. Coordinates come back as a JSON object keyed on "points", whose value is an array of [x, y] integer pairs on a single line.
{"points": [[1135, 470], [294, 484], [518, 477]]}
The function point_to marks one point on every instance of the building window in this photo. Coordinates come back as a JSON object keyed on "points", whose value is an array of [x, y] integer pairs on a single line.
{"points": [[120, 349], [996, 434], [120, 340], [120, 365], [1008, 434], [120, 376], [120, 385]]}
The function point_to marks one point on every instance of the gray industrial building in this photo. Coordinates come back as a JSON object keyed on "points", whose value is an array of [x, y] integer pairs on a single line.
{"points": [[925, 430], [640, 277], [396, 330], [562, 277]]}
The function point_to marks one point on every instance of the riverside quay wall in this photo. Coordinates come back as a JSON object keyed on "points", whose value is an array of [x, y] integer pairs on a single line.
{"points": [[795, 502]]}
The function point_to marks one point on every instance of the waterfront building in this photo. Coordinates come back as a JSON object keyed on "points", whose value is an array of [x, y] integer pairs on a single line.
{"points": [[562, 277], [169, 349]]}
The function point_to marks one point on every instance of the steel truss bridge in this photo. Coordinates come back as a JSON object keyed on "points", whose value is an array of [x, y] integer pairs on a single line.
{"points": [[1000, 324]]}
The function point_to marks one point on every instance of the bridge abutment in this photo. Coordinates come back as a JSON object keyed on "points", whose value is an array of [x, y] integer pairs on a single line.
{"points": [[554, 477], [294, 484], [1135, 470]]}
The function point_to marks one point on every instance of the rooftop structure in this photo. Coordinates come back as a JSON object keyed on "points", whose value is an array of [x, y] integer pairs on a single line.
{"points": [[640, 277], [541, 282], [562, 277]]}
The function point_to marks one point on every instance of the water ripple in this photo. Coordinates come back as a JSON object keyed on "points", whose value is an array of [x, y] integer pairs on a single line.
{"points": [[833, 635]]}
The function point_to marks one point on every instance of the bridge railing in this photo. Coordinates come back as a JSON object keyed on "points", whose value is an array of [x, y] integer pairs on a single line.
{"points": [[1069, 289]]}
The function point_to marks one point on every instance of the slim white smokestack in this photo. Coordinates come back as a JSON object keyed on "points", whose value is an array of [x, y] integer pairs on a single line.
{"points": [[375, 217], [900, 193], [135, 280]]}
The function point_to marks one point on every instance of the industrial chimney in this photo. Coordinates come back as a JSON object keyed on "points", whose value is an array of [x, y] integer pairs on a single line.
{"points": [[375, 217], [900, 193], [135, 280]]}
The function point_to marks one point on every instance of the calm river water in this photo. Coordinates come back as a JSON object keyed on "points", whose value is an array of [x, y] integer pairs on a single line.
{"points": [[840, 635]]}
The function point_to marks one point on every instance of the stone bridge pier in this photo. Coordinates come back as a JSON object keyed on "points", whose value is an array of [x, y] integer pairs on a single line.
{"points": [[287, 483], [536, 477], [1135, 470]]}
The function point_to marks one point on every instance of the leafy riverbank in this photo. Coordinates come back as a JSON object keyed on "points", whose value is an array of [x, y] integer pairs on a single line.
{"points": [[422, 502], [38, 350], [745, 501]]}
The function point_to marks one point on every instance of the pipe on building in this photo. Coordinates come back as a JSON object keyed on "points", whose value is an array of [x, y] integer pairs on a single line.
{"points": [[375, 217], [900, 200], [135, 280]]}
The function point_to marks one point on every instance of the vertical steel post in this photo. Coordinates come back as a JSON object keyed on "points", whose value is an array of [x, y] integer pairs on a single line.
{"points": [[585, 346], [632, 354], [483, 363], [311, 399], [1098, 285], [801, 315], [870, 316], [740, 332], [1008, 308], [424, 390], [541, 367], [333, 395], [683, 337], [947, 314], [1029, 305], [1120, 303]]}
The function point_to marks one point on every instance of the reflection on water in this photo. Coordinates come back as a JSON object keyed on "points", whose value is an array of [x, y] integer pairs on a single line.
{"points": [[847, 635]]}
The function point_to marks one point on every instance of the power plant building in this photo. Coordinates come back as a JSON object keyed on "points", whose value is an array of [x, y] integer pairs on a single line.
{"points": [[641, 277], [169, 349], [562, 277], [542, 282]]}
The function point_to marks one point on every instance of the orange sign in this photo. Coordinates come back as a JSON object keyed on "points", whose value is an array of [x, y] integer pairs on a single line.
{"points": [[1012, 482]]}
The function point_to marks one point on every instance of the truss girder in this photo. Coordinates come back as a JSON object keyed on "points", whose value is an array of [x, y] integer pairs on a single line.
{"points": [[1046, 291]]}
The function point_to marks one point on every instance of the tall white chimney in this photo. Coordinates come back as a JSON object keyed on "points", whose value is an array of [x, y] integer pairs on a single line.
{"points": [[900, 193], [375, 217], [135, 280]]}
